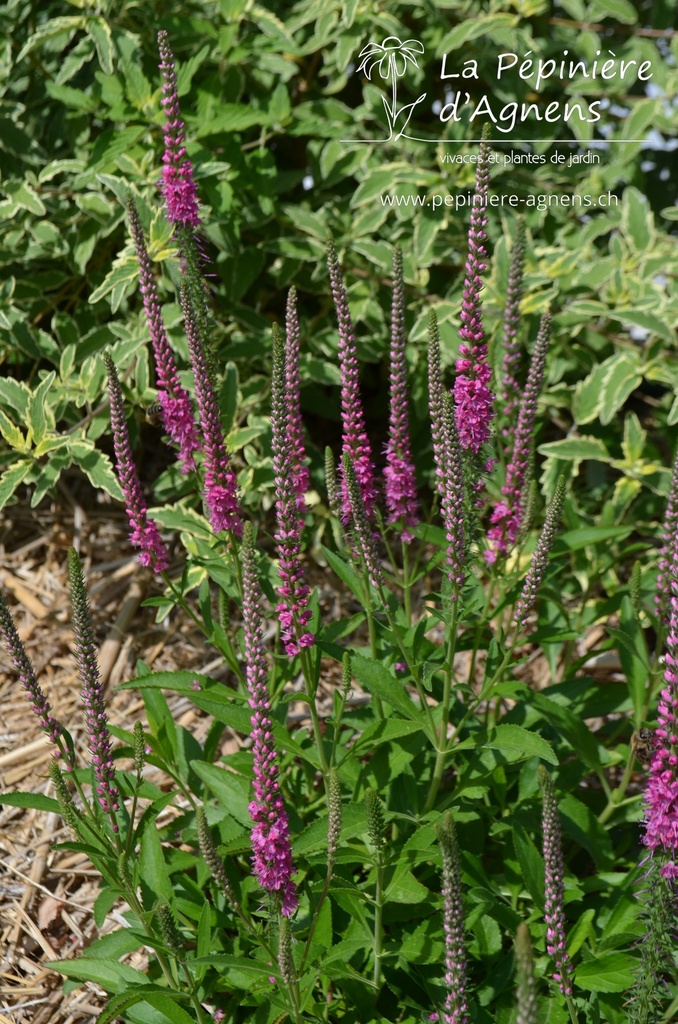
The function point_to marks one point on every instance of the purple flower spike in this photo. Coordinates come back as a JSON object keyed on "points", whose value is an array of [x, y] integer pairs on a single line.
{"points": [[401, 489], [507, 517], [669, 553], [535, 574], [272, 849], [472, 396], [554, 872], [92, 689], [448, 460], [355, 440], [144, 531], [42, 708], [456, 1004], [363, 530], [661, 794], [293, 611], [177, 408], [295, 429], [179, 189], [510, 387], [220, 484]]}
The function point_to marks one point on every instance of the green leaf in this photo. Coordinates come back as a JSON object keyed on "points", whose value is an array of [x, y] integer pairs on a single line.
{"points": [[583, 826], [97, 466], [648, 321], [375, 183], [12, 478], [635, 437], [620, 10], [51, 28], [623, 376], [575, 540], [26, 198], [231, 117], [226, 961], [36, 801], [569, 448], [241, 436], [520, 744], [153, 872], [100, 32], [345, 572], [11, 433], [176, 517], [271, 25], [15, 394], [113, 976], [124, 272], [181, 681], [570, 726], [404, 888], [38, 410], [162, 999], [642, 117], [187, 69], [632, 651], [382, 684], [611, 973], [531, 863], [234, 792]]}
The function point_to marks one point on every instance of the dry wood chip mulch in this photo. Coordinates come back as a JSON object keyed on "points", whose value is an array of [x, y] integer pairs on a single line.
{"points": [[47, 895]]}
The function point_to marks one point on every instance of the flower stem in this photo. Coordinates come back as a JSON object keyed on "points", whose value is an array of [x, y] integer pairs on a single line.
{"points": [[307, 672], [378, 913], [407, 585], [442, 748]]}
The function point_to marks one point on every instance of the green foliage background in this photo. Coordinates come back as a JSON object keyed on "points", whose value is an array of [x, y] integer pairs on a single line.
{"points": [[268, 93]]}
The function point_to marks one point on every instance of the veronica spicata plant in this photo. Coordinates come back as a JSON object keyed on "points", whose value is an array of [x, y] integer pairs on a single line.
{"points": [[371, 843]]}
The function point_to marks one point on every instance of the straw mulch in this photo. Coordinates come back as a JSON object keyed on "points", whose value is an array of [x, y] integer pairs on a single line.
{"points": [[47, 894]]}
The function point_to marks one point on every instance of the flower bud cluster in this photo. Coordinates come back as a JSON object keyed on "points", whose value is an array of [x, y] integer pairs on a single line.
{"points": [[144, 532], [293, 610]]}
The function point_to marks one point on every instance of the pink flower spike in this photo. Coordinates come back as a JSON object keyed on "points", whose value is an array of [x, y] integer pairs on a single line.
{"points": [[293, 611], [472, 396], [177, 408], [41, 707], [355, 441], [181, 194], [554, 869], [92, 688], [144, 532], [510, 387], [447, 456], [507, 517], [295, 428], [271, 845], [456, 1003], [669, 550], [401, 490], [220, 492], [661, 793]]}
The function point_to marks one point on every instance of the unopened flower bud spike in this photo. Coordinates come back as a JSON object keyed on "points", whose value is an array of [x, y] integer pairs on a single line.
{"points": [[92, 691], [374, 813], [456, 981]]}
